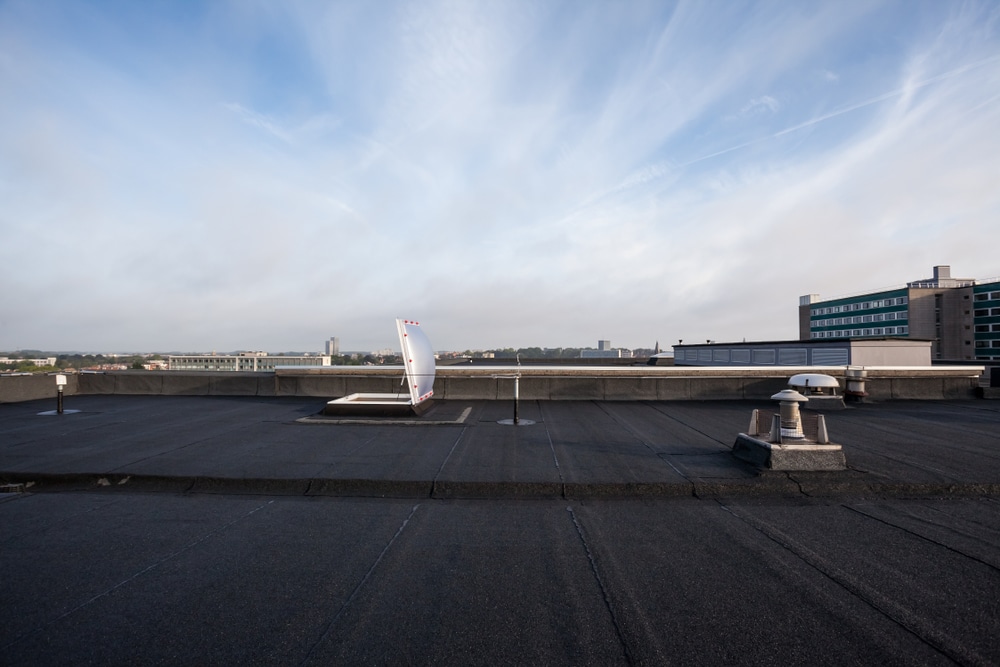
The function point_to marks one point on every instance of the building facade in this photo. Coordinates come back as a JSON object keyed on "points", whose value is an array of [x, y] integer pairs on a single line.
{"points": [[839, 352], [986, 320], [957, 315], [605, 351], [47, 361], [244, 361]]}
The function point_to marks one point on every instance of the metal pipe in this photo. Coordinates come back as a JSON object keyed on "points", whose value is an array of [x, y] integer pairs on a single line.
{"points": [[517, 378]]}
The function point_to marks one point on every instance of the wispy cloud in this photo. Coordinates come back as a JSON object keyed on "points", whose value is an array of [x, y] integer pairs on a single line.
{"points": [[266, 176], [260, 121], [758, 105]]}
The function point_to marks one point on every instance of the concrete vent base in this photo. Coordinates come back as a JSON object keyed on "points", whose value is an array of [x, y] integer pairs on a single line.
{"points": [[787, 456]]}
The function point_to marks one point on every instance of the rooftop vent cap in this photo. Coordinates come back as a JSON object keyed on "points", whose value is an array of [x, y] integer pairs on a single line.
{"points": [[812, 384], [789, 395], [791, 420]]}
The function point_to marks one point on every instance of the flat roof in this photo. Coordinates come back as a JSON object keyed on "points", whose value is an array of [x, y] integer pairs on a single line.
{"points": [[215, 529]]}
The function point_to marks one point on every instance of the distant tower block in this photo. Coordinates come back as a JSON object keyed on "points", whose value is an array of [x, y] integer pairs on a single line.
{"points": [[333, 346], [604, 345]]}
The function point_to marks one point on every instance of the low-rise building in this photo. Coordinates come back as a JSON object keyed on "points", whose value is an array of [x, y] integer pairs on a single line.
{"points": [[243, 361], [842, 352], [960, 316], [605, 351], [47, 361]]}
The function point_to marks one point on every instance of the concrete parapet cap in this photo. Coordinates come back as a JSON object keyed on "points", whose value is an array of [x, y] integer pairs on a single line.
{"points": [[637, 371]]}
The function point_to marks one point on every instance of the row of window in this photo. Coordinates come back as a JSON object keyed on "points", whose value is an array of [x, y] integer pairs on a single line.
{"points": [[860, 319], [857, 333], [861, 305], [986, 328], [988, 343], [988, 296], [770, 357], [986, 312]]}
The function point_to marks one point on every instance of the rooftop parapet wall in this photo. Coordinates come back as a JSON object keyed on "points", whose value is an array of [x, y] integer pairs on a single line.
{"points": [[497, 383]]}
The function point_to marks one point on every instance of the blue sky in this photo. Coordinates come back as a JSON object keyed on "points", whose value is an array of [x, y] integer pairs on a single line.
{"points": [[265, 175]]}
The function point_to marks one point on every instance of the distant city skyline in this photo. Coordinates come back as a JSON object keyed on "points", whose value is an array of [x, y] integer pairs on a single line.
{"points": [[199, 176], [377, 351]]}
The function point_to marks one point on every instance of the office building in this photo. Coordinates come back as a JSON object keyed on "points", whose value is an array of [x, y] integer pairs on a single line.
{"points": [[333, 346], [244, 361], [959, 316]]}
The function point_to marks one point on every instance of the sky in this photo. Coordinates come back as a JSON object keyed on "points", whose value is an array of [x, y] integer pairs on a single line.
{"points": [[255, 175]]}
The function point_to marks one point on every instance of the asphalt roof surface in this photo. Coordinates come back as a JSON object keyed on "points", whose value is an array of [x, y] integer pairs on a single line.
{"points": [[169, 530]]}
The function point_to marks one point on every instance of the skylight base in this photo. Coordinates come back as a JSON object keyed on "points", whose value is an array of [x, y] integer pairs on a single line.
{"points": [[375, 405]]}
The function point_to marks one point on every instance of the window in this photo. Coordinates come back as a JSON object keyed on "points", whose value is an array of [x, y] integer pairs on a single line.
{"points": [[890, 330], [877, 331], [867, 332], [857, 332], [867, 318], [866, 305], [764, 356], [995, 327], [983, 296], [902, 330], [994, 311], [878, 318], [855, 306], [982, 312]]}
